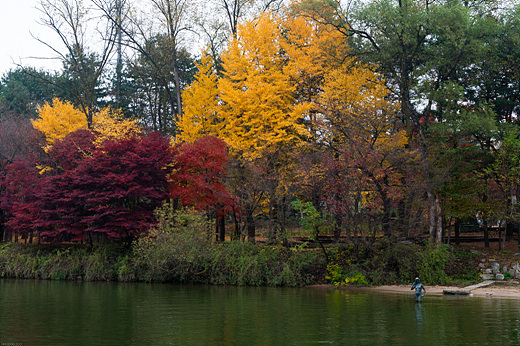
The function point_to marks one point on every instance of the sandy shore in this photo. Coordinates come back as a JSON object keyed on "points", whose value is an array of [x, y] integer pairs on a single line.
{"points": [[510, 289]]}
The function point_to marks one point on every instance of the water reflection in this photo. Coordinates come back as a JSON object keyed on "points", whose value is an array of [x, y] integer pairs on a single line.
{"points": [[419, 314], [44, 312]]}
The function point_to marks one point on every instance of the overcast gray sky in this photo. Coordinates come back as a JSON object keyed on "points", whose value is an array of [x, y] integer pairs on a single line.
{"points": [[18, 18]]}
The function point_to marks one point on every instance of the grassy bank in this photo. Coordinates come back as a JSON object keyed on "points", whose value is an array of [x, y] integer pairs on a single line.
{"points": [[388, 263], [180, 249], [237, 263], [232, 263]]}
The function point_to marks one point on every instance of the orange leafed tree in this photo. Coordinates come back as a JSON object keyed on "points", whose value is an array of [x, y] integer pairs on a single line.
{"points": [[111, 124], [313, 49], [362, 122]]}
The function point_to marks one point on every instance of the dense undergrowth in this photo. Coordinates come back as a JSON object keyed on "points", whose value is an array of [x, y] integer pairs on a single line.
{"points": [[387, 262], [232, 263], [180, 249], [237, 263]]}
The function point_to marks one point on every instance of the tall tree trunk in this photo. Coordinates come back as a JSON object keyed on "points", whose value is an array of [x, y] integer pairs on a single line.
{"points": [[401, 219], [486, 234], [2, 227], [237, 233], [177, 81], [411, 114], [518, 229], [385, 224], [438, 226], [221, 226], [250, 221], [457, 231]]}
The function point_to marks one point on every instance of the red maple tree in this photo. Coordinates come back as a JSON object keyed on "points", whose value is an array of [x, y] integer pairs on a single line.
{"points": [[111, 190]]}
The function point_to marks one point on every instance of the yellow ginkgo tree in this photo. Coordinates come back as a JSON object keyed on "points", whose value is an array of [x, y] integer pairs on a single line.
{"points": [[200, 115], [111, 124], [58, 118], [258, 105], [313, 50]]}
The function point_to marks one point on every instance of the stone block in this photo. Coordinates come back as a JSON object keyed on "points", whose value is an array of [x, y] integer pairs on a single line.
{"points": [[487, 276], [495, 266], [500, 276]]}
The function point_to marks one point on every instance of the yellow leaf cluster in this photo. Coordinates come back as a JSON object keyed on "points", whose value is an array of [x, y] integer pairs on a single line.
{"points": [[258, 101], [59, 118], [110, 124], [357, 103], [313, 49], [286, 80], [200, 113]]}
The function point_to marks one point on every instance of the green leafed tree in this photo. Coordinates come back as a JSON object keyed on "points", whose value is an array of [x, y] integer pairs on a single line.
{"points": [[418, 46]]}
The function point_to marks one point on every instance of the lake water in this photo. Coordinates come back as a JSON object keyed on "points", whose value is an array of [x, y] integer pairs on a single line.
{"points": [[77, 313]]}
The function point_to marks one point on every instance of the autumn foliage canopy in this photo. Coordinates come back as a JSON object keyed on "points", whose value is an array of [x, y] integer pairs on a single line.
{"points": [[112, 189]]}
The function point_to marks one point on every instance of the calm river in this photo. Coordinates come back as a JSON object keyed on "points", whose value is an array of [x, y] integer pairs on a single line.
{"points": [[69, 313]]}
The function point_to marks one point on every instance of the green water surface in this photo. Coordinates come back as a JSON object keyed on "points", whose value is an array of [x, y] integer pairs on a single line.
{"points": [[82, 313]]}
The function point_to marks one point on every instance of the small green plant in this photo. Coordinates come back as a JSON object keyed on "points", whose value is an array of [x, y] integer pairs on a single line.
{"points": [[357, 279], [311, 218], [433, 262], [508, 276], [337, 276]]}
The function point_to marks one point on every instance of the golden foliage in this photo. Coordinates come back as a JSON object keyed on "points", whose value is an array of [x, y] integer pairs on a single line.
{"points": [[110, 124], [357, 104], [200, 116], [313, 50], [258, 100], [59, 118]]}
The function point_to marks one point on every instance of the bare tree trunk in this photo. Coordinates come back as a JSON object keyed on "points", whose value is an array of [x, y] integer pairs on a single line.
{"points": [[457, 231], [504, 236], [486, 234], [220, 226], [438, 214], [251, 228]]}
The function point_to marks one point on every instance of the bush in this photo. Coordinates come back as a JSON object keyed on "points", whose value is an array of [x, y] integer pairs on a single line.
{"points": [[433, 263], [387, 262], [177, 249], [180, 249], [59, 263]]}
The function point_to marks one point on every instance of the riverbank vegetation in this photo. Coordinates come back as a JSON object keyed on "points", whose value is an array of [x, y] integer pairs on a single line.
{"points": [[238, 263], [332, 135], [180, 249]]}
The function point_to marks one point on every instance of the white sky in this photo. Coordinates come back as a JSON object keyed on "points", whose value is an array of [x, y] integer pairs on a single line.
{"points": [[18, 19]]}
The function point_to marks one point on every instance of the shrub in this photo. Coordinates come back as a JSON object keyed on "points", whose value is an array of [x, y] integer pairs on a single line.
{"points": [[176, 249], [180, 249]]}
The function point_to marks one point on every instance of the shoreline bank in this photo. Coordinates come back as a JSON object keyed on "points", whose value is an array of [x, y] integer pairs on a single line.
{"points": [[509, 289], [500, 289]]}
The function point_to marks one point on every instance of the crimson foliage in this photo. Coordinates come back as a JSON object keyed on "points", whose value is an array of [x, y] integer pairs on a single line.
{"points": [[111, 190], [198, 179]]}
